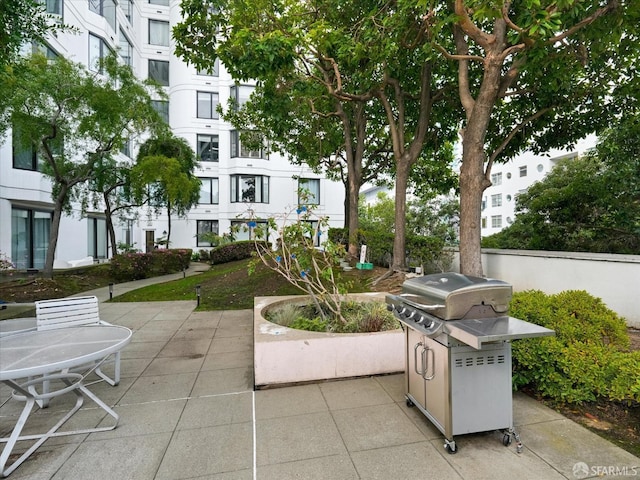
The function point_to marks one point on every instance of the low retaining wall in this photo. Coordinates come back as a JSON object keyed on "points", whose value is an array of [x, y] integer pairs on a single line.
{"points": [[613, 278], [284, 355]]}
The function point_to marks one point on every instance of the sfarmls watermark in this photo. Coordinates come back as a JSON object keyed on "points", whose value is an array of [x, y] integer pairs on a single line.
{"points": [[582, 470]]}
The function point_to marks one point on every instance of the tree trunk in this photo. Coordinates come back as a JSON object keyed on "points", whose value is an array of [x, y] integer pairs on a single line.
{"points": [[354, 192], [55, 230], [472, 185], [110, 229], [399, 240]]}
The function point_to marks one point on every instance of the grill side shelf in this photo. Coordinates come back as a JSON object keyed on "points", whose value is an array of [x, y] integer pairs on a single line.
{"points": [[476, 332]]}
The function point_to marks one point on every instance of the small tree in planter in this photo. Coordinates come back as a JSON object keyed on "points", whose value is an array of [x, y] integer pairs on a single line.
{"points": [[314, 270]]}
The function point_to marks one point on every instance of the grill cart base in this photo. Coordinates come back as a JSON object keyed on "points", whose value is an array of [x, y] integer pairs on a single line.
{"points": [[458, 352]]}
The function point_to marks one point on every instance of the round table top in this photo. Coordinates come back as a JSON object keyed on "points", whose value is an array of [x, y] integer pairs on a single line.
{"points": [[13, 326], [45, 351]]}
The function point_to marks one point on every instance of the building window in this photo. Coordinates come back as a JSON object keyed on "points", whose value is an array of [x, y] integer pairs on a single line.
{"points": [[126, 148], [98, 49], [483, 222], [540, 167], [29, 237], [24, 152], [212, 72], [508, 175], [126, 49], [159, 33], [244, 229], [523, 171], [508, 198], [208, 228], [314, 226], [496, 221], [127, 9], [97, 237], [240, 150], [162, 107], [496, 200], [240, 95], [496, 179], [45, 50], [53, 7], [208, 148], [209, 192], [249, 188], [106, 9], [159, 71], [308, 191], [208, 105], [159, 2]]}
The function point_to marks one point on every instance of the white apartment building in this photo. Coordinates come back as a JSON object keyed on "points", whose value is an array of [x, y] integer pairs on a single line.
{"points": [[234, 178], [511, 178]]}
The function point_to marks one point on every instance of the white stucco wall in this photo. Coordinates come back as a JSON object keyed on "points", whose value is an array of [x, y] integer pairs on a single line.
{"points": [[613, 278]]}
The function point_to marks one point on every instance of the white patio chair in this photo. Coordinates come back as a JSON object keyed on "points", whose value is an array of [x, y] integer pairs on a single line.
{"points": [[72, 312]]}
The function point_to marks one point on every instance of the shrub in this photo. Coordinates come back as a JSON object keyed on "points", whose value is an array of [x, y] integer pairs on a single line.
{"points": [[204, 255], [232, 251], [130, 266], [587, 359], [164, 261]]}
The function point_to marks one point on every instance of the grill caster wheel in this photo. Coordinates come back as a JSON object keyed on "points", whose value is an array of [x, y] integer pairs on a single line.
{"points": [[410, 403], [506, 440], [451, 447]]}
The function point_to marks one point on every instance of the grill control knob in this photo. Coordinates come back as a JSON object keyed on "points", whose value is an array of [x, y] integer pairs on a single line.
{"points": [[409, 314]]}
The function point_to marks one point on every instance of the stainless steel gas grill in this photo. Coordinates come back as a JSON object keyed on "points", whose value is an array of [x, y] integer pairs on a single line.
{"points": [[458, 352]]}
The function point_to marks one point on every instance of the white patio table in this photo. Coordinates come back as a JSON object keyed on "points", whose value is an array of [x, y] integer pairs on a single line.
{"points": [[29, 359]]}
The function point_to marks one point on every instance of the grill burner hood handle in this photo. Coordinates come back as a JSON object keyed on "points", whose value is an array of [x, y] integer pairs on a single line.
{"points": [[421, 306]]}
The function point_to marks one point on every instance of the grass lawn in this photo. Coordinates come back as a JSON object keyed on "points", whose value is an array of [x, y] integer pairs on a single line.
{"points": [[229, 287]]}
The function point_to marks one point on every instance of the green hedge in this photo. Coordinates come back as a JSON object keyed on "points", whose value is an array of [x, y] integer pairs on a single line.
{"points": [[136, 266], [232, 251], [589, 357]]}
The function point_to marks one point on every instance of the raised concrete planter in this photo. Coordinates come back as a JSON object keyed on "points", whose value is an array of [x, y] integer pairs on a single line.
{"points": [[284, 355]]}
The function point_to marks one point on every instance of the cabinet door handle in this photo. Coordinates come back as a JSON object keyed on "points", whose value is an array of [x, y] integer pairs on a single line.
{"points": [[432, 363], [415, 359]]}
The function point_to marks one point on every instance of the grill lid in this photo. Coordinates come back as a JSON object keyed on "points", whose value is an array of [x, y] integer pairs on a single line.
{"points": [[452, 296]]}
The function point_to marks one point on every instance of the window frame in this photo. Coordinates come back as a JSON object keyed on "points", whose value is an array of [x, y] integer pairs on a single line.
{"points": [[238, 150], [107, 12], [104, 48], [210, 148], [213, 194], [164, 115], [523, 171], [212, 223], [215, 71], [496, 200], [314, 197], [155, 21], [160, 80], [496, 221], [212, 104], [496, 179], [236, 193], [127, 59]]}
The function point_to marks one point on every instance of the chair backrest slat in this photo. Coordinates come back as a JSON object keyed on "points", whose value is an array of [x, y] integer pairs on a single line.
{"points": [[66, 312]]}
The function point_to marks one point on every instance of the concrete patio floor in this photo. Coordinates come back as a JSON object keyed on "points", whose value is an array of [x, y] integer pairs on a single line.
{"points": [[188, 411]]}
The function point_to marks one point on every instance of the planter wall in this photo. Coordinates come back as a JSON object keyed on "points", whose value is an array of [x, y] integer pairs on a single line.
{"points": [[283, 355]]}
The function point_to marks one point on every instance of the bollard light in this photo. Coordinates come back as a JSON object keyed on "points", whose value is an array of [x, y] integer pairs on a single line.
{"points": [[111, 291], [198, 294], [184, 272]]}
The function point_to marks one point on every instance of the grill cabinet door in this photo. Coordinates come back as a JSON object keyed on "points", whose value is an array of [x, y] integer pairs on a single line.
{"points": [[415, 366]]}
